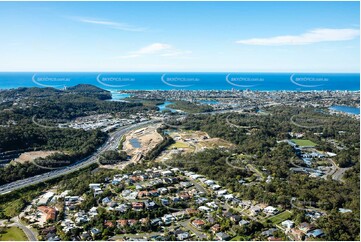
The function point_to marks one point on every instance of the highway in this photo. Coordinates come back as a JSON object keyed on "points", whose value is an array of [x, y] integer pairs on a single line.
{"points": [[111, 144]]}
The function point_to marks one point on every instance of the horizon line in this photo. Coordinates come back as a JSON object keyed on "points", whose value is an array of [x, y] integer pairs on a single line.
{"points": [[275, 72]]}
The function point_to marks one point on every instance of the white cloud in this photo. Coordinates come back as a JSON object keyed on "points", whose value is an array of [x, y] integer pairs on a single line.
{"points": [[111, 24], [154, 48], [177, 53], [310, 37], [160, 49]]}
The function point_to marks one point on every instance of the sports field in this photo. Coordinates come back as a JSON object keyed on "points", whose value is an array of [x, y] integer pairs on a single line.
{"points": [[303, 142]]}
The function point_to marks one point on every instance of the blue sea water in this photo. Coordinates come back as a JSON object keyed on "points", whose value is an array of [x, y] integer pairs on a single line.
{"points": [[186, 81], [346, 109], [164, 106], [116, 96]]}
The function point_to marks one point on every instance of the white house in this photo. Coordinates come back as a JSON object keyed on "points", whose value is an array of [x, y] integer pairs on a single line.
{"points": [[195, 176], [182, 236], [209, 182], [228, 197], [94, 185], [255, 210], [221, 193], [204, 209], [97, 191], [167, 173], [212, 205], [215, 187], [270, 210], [93, 212], [168, 219], [243, 222], [288, 224]]}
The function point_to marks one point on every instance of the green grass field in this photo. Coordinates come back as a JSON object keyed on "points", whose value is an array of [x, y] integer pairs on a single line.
{"points": [[13, 234], [303, 142], [243, 156], [279, 218], [179, 145]]}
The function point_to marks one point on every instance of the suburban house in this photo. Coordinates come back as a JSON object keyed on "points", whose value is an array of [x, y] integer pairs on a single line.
{"points": [[297, 234], [168, 219], [94, 231], [215, 228], [269, 232], [191, 211], [215, 187], [199, 224], [315, 233], [150, 204], [204, 209], [305, 227], [288, 224], [122, 222], [50, 212], [222, 236], [137, 205], [270, 210], [106, 200], [243, 222], [181, 235], [254, 210], [235, 218]]}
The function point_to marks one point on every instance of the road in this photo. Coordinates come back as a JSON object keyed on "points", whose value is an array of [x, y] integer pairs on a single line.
{"points": [[186, 224], [238, 126], [305, 209], [339, 174], [311, 170], [28, 232], [111, 144], [199, 187], [255, 170], [241, 211]]}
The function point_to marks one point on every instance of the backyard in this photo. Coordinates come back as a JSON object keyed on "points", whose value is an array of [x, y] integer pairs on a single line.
{"points": [[279, 218]]}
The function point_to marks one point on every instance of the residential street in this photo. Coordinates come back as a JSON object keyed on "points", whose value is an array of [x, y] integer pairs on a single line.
{"points": [[186, 224]]}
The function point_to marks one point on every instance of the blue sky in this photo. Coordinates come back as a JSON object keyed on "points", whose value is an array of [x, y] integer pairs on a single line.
{"points": [[180, 36]]}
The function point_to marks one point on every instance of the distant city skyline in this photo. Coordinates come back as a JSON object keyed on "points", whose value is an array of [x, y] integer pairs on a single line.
{"points": [[180, 36]]}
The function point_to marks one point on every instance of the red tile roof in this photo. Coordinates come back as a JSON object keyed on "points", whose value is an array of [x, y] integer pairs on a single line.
{"points": [[50, 212], [198, 222]]}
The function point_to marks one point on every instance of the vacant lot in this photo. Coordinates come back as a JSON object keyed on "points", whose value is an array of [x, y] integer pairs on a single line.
{"points": [[279, 218], [197, 140], [13, 234], [32, 155], [179, 145], [141, 141], [303, 142], [189, 141]]}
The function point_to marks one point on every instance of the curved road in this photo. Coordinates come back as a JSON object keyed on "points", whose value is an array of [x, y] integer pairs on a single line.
{"points": [[111, 144], [305, 209], [28, 232]]}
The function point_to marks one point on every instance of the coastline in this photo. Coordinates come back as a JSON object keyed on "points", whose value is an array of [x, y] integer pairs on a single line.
{"points": [[198, 81]]}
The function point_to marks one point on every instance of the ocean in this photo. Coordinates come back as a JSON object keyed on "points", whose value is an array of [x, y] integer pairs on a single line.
{"points": [[346, 109], [185, 81]]}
